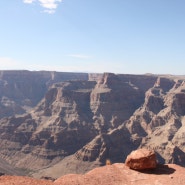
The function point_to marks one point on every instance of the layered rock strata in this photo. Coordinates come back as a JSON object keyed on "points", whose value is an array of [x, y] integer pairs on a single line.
{"points": [[105, 117]]}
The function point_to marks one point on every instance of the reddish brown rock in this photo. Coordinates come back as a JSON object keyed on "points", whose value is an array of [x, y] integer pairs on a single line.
{"points": [[141, 159], [116, 174], [18, 180]]}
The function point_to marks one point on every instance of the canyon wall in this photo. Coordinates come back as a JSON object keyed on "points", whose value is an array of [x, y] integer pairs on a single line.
{"points": [[73, 118]]}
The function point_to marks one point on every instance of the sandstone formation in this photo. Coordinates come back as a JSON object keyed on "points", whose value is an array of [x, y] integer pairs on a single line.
{"points": [[118, 174], [20, 180], [141, 159], [70, 115], [22, 90], [50, 120]]}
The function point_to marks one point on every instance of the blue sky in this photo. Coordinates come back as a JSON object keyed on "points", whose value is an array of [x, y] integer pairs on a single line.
{"points": [[120, 36]]}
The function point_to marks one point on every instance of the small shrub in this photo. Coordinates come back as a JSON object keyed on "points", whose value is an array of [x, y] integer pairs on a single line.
{"points": [[108, 162]]}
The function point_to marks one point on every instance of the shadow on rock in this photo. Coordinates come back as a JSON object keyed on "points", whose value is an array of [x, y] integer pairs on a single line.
{"points": [[1, 174], [159, 170]]}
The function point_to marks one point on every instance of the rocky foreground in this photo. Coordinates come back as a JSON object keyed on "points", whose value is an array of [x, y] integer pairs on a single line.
{"points": [[116, 174]]}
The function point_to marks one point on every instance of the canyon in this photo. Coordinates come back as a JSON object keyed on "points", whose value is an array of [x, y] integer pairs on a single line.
{"points": [[56, 123]]}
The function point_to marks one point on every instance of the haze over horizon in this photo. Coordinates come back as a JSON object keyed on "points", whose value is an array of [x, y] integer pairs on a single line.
{"points": [[122, 36]]}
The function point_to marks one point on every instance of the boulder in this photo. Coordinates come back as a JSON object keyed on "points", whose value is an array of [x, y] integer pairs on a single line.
{"points": [[141, 159]]}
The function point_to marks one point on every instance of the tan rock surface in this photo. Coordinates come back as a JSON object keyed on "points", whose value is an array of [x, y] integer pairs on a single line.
{"points": [[116, 174], [17, 180], [119, 174]]}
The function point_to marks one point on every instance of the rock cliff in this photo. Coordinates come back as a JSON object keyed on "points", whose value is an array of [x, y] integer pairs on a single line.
{"points": [[22, 90], [67, 119]]}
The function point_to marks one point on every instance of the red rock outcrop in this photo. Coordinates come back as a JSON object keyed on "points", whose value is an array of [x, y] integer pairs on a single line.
{"points": [[116, 174], [141, 159]]}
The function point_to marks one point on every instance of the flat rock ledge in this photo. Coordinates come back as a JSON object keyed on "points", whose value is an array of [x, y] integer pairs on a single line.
{"points": [[115, 174]]}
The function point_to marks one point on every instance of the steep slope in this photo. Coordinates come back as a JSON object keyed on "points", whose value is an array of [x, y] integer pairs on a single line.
{"points": [[113, 101], [159, 124], [22, 90], [7, 169], [80, 122], [70, 115], [56, 128], [168, 127]]}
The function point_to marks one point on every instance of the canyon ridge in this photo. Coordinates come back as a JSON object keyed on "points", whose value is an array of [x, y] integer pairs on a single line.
{"points": [[56, 123]]}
